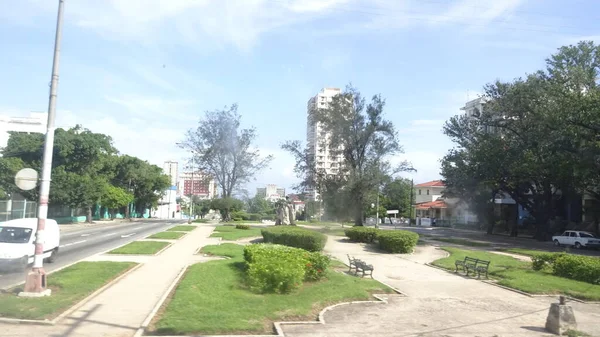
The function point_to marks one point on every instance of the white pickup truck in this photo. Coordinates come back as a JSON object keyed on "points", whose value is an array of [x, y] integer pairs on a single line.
{"points": [[577, 239]]}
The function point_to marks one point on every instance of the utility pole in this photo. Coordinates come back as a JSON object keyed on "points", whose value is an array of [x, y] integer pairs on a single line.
{"points": [[192, 194], [377, 209], [35, 281], [411, 203]]}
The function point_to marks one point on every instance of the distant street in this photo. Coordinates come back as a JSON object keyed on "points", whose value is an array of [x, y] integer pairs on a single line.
{"points": [[79, 244]]}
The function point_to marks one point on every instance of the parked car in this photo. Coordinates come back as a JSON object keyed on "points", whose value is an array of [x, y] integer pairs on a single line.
{"points": [[577, 239], [17, 239]]}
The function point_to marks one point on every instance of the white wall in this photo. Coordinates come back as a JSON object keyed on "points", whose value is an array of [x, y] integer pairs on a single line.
{"points": [[434, 193]]}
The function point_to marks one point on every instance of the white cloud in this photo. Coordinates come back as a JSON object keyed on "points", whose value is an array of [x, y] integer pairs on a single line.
{"points": [[154, 106]]}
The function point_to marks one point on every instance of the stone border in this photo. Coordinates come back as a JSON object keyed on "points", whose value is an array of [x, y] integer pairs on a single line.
{"points": [[76, 306], [380, 299], [157, 253]]}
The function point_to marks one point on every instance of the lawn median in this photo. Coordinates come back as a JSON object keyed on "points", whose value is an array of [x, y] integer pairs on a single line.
{"points": [[231, 233], [140, 248], [167, 235], [182, 229], [216, 295], [516, 274], [69, 286]]}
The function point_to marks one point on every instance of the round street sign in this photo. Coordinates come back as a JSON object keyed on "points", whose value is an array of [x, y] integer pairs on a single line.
{"points": [[26, 179]]}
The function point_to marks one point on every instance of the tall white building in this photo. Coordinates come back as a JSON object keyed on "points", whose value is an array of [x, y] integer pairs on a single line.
{"points": [[35, 123], [317, 137], [171, 168], [271, 192]]}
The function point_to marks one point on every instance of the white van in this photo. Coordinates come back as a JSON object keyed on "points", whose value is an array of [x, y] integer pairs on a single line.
{"points": [[17, 242]]}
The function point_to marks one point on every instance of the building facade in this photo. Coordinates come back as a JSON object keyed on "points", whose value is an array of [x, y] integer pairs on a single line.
{"points": [[36, 122], [271, 192], [325, 159], [171, 168], [199, 184]]}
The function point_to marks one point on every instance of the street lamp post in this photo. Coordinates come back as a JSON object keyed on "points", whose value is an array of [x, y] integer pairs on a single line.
{"points": [[35, 282], [192, 194]]}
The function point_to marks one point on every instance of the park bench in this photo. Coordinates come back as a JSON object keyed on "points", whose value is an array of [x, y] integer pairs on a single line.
{"points": [[351, 262], [363, 267], [467, 264], [482, 267]]}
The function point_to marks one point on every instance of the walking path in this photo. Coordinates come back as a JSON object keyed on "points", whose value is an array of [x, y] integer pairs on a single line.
{"points": [[437, 303], [121, 309]]}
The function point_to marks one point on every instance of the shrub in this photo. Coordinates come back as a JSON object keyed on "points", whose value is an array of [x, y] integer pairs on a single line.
{"points": [[275, 268], [295, 237], [577, 267], [317, 265], [242, 226], [238, 219], [361, 234], [397, 241], [540, 261], [253, 217]]}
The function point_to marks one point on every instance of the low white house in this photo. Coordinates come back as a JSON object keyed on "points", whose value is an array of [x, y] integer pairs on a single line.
{"points": [[430, 204]]}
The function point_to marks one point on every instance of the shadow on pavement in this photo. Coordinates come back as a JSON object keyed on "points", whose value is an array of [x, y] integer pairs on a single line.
{"points": [[77, 322]]}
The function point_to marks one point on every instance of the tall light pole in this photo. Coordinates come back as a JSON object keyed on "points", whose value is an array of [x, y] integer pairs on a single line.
{"points": [[35, 281], [192, 194]]}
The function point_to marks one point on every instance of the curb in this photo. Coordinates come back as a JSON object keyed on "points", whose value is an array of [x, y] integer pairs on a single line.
{"points": [[148, 238], [73, 308]]}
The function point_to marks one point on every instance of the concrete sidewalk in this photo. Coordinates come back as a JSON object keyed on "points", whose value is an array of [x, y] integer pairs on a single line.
{"points": [[437, 303], [121, 309]]}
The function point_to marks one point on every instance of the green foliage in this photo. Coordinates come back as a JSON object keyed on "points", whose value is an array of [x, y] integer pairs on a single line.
{"points": [[276, 269], [116, 197], [8, 169], [242, 226], [224, 150], [317, 265], [259, 205], [577, 267], [544, 260], [227, 206], [397, 241], [295, 237], [362, 234]]}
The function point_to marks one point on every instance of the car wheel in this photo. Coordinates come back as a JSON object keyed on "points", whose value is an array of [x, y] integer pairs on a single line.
{"points": [[52, 257], [577, 245], [556, 243]]}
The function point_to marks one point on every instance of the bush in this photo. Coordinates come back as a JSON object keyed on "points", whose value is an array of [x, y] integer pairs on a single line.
{"points": [[295, 237], [317, 265], [540, 261], [397, 241], [361, 234], [242, 226], [254, 217], [577, 267], [238, 219], [275, 268]]}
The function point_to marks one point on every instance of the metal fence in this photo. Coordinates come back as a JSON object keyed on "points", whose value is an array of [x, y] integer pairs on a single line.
{"points": [[17, 209]]}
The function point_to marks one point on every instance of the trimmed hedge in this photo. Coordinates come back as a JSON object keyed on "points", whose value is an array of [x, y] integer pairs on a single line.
{"points": [[295, 237], [242, 226], [397, 241], [281, 269], [362, 234], [577, 267], [543, 260]]}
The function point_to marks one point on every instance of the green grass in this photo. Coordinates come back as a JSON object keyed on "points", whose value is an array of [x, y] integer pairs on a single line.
{"points": [[231, 250], [213, 293], [140, 248], [516, 274], [462, 242], [69, 286], [230, 233], [528, 252], [167, 235], [182, 228]]}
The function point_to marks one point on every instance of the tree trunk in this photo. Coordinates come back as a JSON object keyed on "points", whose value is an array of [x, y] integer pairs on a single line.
{"points": [[127, 215], [514, 229], [490, 227], [88, 216]]}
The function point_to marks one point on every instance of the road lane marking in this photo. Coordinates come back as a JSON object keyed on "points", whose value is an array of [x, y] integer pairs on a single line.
{"points": [[109, 234], [135, 229], [128, 235], [85, 234], [73, 243]]}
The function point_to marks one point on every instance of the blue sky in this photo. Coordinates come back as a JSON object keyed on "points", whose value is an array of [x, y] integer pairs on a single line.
{"points": [[144, 71]]}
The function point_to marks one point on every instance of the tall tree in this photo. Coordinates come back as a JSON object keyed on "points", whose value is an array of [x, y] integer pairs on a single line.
{"points": [[225, 150], [364, 139]]}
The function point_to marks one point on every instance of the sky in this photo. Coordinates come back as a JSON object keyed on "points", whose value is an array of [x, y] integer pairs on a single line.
{"points": [[145, 71]]}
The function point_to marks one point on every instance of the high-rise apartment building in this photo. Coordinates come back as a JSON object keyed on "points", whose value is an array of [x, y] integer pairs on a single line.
{"points": [[271, 192], [198, 184], [171, 168], [317, 138]]}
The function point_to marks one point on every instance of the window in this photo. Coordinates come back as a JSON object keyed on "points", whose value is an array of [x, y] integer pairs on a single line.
{"points": [[427, 192], [419, 192]]}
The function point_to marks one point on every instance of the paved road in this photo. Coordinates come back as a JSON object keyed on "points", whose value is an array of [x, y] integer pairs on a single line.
{"points": [[79, 244], [497, 241]]}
